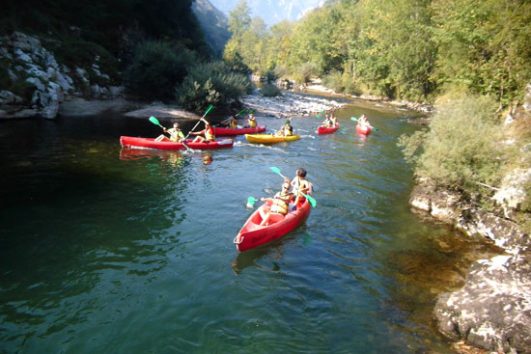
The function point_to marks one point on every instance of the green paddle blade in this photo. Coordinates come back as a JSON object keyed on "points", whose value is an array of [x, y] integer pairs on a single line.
{"points": [[354, 119], [209, 108], [251, 201], [311, 199], [155, 121], [276, 170]]}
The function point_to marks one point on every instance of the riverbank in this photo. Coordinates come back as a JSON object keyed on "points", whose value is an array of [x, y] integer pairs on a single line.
{"points": [[492, 310], [316, 87]]}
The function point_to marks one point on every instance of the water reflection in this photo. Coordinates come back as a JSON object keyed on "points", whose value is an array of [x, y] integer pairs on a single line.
{"points": [[251, 257]]}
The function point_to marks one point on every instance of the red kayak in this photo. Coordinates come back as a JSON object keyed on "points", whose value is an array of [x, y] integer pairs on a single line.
{"points": [[150, 143], [363, 130], [252, 234], [219, 131], [321, 130]]}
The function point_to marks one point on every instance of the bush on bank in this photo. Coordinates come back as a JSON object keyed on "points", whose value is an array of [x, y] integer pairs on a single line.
{"points": [[462, 149], [211, 83], [269, 90], [156, 68]]}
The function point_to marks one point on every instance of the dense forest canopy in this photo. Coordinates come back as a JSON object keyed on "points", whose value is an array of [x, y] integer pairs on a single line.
{"points": [[105, 21], [405, 49]]}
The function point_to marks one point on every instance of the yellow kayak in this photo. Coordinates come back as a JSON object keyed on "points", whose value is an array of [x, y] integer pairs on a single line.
{"points": [[269, 138]]}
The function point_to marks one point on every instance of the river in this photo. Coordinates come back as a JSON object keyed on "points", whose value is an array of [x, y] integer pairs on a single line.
{"points": [[104, 251]]}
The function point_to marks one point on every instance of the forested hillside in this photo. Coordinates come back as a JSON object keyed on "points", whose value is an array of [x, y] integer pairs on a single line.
{"points": [[406, 49]]}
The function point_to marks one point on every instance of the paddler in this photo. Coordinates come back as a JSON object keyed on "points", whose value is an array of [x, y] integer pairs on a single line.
{"points": [[205, 135], [175, 133], [300, 185], [251, 120], [279, 203]]}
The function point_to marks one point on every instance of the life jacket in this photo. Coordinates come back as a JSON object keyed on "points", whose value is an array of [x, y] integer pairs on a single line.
{"points": [[280, 204], [252, 123], [175, 135], [209, 134]]}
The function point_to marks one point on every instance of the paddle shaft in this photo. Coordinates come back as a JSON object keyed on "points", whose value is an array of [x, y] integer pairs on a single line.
{"points": [[199, 121]]}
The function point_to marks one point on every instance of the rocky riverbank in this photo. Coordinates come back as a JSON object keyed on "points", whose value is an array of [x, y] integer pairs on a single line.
{"points": [[36, 84], [493, 309], [316, 86], [290, 104]]}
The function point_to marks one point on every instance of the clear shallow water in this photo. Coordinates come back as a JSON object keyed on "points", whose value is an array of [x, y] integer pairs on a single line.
{"points": [[105, 251]]}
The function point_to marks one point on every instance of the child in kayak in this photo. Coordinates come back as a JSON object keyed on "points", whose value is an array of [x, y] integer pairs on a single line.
{"points": [[364, 122], [285, 130], [205, 135], [300, 185], [279, 203], [175, 133], [251, 121]]}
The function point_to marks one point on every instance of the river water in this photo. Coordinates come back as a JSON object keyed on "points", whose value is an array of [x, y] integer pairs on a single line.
{"points": [[107, 251]]}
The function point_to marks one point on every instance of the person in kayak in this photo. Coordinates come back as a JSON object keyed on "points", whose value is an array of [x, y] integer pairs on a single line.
{"points": [[300, 185], [175, 133], [251, 121], [205, 135], [328, 121], [285, 130], [364, 122], [279, 203]]}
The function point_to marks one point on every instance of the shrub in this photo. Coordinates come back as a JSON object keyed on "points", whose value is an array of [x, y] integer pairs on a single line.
{"points": [[304, 72], [341, 82], [461, 148], [156, 68], [269, 90], [211, 83]]}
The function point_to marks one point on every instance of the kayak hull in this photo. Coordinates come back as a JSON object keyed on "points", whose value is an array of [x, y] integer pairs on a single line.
{"points": [[269, 138], [219, 131], [150, 143], [363, 130], [327, 130], [253, 235]]}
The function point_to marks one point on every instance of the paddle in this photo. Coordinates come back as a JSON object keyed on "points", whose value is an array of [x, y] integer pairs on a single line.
{"points": [[155, 121], [250, 202], [240, 112], [209, 108], [312, 201]]}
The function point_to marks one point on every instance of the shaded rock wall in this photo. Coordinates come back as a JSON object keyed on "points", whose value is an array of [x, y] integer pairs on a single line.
{"points": [[38, 83]]}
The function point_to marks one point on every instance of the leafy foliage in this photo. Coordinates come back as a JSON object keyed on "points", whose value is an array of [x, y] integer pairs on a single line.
{"points": [[156, 68], [403, 49], [269, 90], [211, 83], [460, 149]]}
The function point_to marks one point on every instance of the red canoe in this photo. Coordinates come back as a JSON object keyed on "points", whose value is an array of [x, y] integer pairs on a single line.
{"points": [[219, 131], [150, 143], [327, 130], [253, 235], [365, 130]]}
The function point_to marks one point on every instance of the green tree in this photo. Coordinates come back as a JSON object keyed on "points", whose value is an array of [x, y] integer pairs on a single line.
{"points": [[484, 45], [240, 19]]}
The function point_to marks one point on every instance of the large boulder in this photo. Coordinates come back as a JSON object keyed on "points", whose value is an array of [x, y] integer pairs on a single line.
{"points": [[493, 309]]}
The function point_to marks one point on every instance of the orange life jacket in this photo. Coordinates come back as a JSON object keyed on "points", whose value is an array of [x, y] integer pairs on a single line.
{"points": [[209, 134]]}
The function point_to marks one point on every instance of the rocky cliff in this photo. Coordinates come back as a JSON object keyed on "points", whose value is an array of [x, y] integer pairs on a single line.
{"points": [[36, 83]]}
